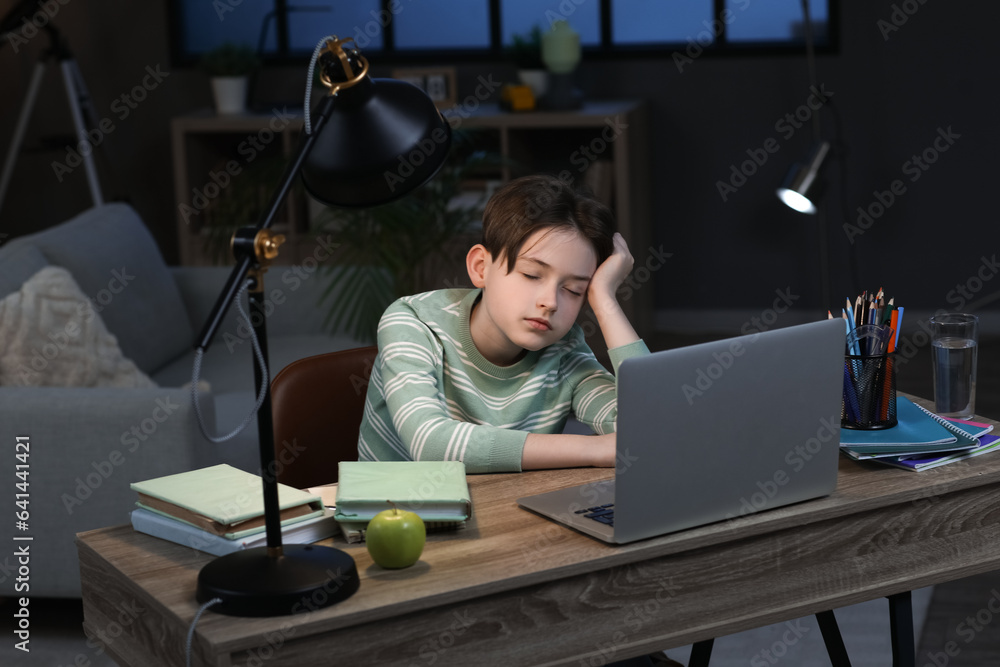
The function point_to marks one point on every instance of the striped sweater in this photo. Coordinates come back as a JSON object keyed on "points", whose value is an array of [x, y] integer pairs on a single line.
{"points": [[433, 396]]}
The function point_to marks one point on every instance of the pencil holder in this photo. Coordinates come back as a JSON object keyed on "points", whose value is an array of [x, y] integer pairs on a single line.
{"points": [[869, 392]]}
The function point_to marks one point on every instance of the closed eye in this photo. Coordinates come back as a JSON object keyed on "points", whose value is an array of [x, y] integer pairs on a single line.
{"points": [[529, 276]]}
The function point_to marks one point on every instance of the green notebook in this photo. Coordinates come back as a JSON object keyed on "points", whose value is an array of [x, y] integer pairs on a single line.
{"points": [[222, 499], [433, 490]]}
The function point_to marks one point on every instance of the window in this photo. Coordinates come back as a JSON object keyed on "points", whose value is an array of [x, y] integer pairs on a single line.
{"points": [[438, 29]]}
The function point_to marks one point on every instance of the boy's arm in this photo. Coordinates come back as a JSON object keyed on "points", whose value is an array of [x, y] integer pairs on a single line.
{"points": [[568, 450], [595, 390], [601, 294], [595, 403], [421, 428]]}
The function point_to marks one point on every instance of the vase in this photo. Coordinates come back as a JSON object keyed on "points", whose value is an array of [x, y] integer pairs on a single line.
{"points": [[536, 79], [230, 94]]}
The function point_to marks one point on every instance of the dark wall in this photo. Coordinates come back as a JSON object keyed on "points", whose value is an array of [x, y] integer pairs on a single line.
{"points": [[895, 91]]}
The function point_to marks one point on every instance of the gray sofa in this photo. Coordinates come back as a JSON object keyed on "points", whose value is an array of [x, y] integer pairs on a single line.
{"points": [[87, 444]]}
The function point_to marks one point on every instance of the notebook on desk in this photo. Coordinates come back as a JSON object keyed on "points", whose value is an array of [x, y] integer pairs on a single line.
{"points": [[713, 432]]}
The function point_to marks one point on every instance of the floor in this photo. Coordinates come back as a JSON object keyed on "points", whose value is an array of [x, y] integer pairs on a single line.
{"points": [[957, 624]]}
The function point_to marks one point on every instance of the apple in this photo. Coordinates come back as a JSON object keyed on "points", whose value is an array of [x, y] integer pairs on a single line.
{"points": [[395, 539]]}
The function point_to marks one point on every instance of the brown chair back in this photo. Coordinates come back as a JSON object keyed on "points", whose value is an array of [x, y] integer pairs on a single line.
{"points": [[317, 403]]}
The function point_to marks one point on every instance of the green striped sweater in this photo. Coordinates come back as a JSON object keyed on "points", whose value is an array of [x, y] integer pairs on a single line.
{"points": [[433, 396]]}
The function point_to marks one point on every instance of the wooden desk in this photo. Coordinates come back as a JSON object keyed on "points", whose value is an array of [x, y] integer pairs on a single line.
{"points": [[516, 589]]}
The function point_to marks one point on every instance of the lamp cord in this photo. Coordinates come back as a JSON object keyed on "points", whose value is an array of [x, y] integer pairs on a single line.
{"points": [[194, 622], [309, 80], [196, 372]]}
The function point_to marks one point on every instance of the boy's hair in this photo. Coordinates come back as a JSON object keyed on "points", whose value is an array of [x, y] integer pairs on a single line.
{"points": [[525, 205]]}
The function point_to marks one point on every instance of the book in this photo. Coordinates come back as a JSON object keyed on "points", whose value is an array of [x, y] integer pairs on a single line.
{"points": [[973, 429], [987, 443], [222, 500], [917, 431], [433, 490], [354, 531], [180, 532]]}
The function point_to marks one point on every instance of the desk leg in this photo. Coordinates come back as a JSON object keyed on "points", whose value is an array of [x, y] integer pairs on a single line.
{"points": [[701, 653], [834, 641], [901, 630]]}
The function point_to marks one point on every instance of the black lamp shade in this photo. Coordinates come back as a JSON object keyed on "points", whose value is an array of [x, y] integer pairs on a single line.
{"points": [[383, 139], [802, 186]]}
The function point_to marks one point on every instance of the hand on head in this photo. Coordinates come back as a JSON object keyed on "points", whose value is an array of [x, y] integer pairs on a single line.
{"points": [[610, 274]]}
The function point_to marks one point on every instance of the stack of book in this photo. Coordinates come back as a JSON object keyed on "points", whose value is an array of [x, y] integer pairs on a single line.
{"points": [[436, 491], [220, 509], [920, 441]]}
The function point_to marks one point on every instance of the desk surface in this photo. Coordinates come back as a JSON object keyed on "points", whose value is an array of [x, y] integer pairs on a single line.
{"points": [[514, 588]]}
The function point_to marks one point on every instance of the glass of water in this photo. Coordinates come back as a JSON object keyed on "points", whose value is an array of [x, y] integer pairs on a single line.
{"points": [[954, 347]]}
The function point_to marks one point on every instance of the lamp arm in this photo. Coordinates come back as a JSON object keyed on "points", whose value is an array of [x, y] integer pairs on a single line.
{"points": [[249, 254], [243, 265]]}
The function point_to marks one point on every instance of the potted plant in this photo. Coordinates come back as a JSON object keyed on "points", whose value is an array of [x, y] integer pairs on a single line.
{"points": [[404, 247], [241, 203], [230, 66], [526, 51]]}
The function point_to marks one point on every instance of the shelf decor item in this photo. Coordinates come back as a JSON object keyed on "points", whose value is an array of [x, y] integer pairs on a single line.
{"points": [[230, 67], [561, 54], [526, 51], [356, 135]]}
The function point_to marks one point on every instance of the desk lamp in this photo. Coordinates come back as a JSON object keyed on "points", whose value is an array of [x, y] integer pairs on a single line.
{"points": [[374, 140]]}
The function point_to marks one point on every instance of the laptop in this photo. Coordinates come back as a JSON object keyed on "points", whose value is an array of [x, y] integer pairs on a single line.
{"points": [[713, 432]]}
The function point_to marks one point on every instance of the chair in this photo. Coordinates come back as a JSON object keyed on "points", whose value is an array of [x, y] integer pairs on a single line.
{"points": [[317, 404]]}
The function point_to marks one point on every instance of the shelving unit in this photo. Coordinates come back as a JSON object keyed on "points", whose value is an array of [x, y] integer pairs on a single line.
{"points": [[603, 144]]}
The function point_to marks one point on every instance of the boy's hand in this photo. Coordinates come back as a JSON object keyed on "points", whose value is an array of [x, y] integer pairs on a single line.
{"points": [[601, 295], [610, 275]]}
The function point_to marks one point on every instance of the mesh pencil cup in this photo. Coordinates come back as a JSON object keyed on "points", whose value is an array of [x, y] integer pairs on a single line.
{"points": [[869, 392]]}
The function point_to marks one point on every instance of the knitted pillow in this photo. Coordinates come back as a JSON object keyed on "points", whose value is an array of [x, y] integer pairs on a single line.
{"points": [[50, 335]]}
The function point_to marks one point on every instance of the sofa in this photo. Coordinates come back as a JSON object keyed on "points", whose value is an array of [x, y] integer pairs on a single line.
{"points": [[96, 347]]}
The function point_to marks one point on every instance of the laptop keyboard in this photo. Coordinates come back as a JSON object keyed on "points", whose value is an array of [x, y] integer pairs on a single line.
{"points": [[602, 513]]}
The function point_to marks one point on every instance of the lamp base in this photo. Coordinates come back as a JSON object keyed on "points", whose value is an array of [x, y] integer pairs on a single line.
{"points": [[304, 578]]}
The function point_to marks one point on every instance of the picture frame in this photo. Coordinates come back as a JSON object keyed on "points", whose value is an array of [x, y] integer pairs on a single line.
{"points": [[437, 82]]}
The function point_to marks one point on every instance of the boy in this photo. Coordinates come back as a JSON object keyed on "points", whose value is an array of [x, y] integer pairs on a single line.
{"points": [[489, 376]]}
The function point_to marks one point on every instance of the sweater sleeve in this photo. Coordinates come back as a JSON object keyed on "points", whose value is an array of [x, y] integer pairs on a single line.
{"points": [[595, 394], [410, 358]]}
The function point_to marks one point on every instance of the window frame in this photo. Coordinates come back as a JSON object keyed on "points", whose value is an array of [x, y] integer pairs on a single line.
{"points": [[389, 55]]}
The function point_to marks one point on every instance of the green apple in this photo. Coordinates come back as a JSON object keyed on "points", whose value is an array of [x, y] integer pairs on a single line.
{"points": [[395, 538]]}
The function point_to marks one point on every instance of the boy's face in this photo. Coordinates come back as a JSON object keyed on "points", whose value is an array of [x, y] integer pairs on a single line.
{"points": [[535, 304]]}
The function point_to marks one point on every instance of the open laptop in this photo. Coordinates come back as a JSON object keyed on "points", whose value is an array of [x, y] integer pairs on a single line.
{"points": [[713, 432]]}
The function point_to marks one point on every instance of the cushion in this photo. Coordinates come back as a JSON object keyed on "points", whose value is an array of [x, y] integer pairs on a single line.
{"points": [[18, 262], [116, 262], [50, 335]]}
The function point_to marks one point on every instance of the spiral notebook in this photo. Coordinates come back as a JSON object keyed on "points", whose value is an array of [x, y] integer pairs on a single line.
{"points": [[918, 431], [713, 432]]}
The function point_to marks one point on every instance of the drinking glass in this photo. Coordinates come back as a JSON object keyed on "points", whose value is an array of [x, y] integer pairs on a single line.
{"points": [[954, 347]]}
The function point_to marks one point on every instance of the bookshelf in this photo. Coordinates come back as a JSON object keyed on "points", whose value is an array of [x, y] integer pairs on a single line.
{"points": [[223, 164]]}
